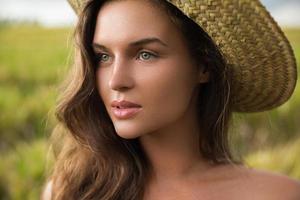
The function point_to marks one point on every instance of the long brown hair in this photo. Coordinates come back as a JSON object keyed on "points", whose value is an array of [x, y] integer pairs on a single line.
{"points": [[93, 161]]}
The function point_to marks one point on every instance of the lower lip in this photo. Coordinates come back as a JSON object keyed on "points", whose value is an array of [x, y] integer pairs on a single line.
{"points": [[125, 113]]}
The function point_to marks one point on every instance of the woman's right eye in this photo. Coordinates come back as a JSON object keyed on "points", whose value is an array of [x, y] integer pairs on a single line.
{"points": [[102, 57]]}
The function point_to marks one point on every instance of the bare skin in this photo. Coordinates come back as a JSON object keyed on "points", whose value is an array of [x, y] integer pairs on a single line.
{"points": [[227, 182], [165, 87]]}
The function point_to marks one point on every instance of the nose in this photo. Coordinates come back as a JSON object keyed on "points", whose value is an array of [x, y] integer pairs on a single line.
{"points": [[121, 77]]}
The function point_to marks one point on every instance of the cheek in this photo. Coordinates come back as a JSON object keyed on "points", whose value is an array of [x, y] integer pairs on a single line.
{"points": [[173, 85], [102, 85], [170, 96]]}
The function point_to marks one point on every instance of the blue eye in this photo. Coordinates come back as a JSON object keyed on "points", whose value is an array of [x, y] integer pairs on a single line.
{"points": [[146, 55], [104, 57], [101, 57]]}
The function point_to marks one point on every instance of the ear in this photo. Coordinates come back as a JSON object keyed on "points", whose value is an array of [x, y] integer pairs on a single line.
{"points": [[203, 76]]}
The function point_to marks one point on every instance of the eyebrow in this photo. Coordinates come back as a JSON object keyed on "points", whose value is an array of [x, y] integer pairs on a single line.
{"points": [[147, 41], [140, 42]]}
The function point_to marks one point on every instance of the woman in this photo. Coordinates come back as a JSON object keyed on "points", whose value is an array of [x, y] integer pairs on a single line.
{"points": [[146, 114]]}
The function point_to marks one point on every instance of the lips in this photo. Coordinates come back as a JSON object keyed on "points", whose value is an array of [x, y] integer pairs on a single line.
{"points": [[125, 109], [124, 104]]}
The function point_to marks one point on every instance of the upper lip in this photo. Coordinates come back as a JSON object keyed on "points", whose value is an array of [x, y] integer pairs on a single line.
{"points": [[124, 104]]}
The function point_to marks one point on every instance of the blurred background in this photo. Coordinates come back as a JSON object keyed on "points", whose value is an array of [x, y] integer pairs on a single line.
{"points": [[35, 53]]}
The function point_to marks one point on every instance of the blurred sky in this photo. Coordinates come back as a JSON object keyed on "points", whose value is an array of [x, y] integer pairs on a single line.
{"points": [[59, 13]]}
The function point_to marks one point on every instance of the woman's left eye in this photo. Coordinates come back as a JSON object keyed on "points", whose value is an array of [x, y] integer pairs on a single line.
{"points": [[144, 55]]}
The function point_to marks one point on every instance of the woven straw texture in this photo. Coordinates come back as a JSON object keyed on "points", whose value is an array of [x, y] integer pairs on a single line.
{"points": [[258, 54]]}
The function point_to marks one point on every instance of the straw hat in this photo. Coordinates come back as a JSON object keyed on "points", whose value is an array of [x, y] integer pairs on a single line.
{"points": [[256, 50]]}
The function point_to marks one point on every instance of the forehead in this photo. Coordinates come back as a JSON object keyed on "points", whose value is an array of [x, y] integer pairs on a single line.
{"points": [[129, 19]]}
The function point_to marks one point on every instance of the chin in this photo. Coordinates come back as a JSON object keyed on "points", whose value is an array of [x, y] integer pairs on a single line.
{"points": [[126, 131], [127, 135]]}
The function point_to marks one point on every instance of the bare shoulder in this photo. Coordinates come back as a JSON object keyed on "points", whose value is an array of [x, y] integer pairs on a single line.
{"points": [[47, 192], [269, 185], [241, 182]]}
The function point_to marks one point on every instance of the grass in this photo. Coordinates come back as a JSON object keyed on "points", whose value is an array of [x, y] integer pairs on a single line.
{"points": [[283, 159], [33, 59], [22, 172]]}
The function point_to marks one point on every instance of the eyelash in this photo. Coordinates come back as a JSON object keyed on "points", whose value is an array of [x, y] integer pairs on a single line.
{"points": [[99, 56], [152, 55]]}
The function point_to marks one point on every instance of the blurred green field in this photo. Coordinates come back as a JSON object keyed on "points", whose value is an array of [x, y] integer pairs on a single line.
{"points": [[33, 60]]}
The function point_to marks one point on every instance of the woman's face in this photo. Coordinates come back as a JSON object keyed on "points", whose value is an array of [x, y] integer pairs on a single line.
{"points": [[143, 59]]}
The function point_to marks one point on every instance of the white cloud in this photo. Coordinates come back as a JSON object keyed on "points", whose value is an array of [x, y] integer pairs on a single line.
{"points": [[49, 13], [287, 15], [286, 12]]}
